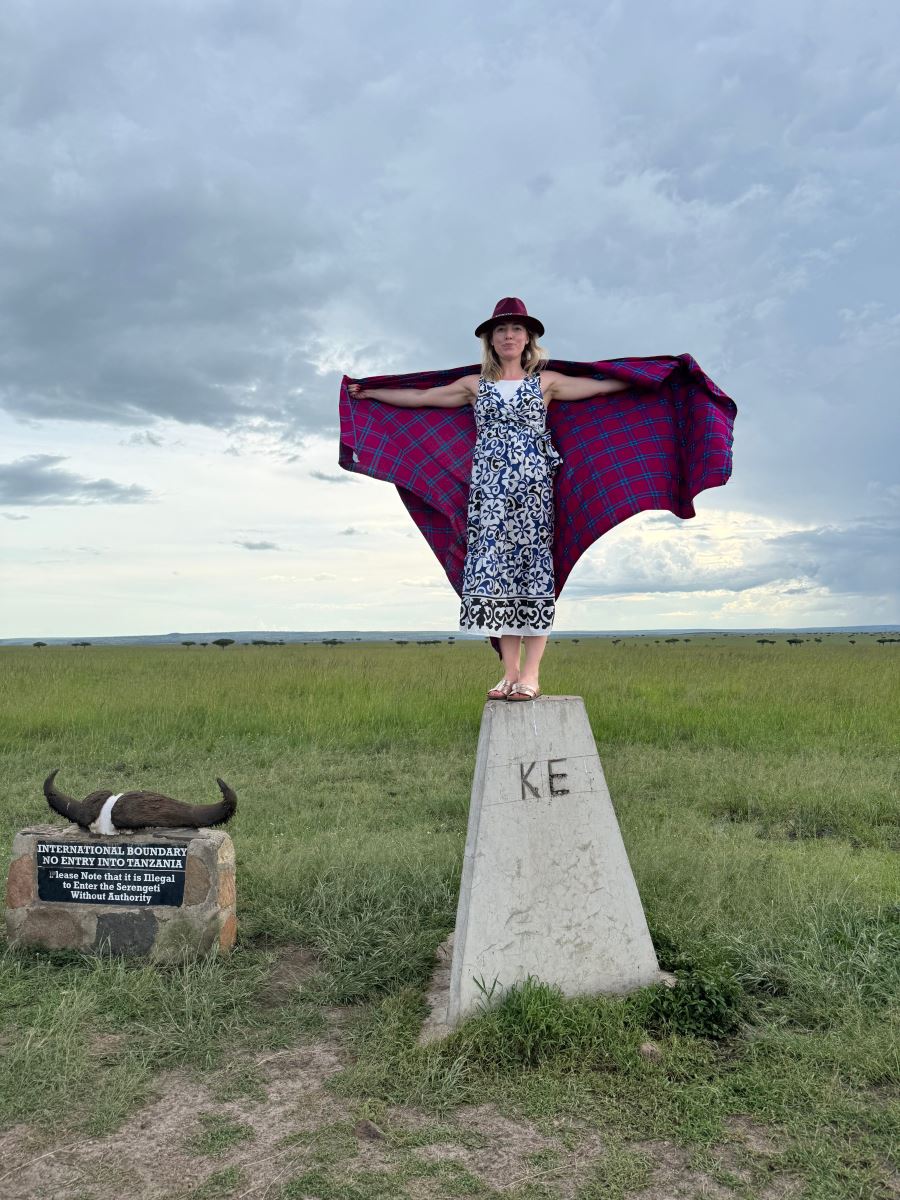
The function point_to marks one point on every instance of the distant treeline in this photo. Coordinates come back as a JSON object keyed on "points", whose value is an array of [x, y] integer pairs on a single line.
{"points": [[883, 640]]}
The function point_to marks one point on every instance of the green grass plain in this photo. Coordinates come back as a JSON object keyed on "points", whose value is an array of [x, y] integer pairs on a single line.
{"points": [[757, 789]]}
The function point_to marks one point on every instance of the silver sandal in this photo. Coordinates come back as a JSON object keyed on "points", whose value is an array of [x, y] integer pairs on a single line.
{"points": [[501, 690], [523, 691]]}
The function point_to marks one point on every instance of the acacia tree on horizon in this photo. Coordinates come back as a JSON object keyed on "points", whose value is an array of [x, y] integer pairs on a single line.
{"points": [[223, 642]]}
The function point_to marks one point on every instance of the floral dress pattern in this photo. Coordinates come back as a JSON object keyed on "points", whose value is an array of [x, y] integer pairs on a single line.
{"points": [[508, 584]]}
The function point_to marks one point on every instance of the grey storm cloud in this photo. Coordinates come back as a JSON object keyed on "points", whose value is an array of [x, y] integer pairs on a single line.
{"points": [[326, 478], [213, 208], [146, 437], [38, 479], [859, 558], [661, 570], [258, 545]]}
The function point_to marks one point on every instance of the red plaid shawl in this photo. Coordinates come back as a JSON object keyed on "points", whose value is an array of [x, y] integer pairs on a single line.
{"points": [[656, 445]]}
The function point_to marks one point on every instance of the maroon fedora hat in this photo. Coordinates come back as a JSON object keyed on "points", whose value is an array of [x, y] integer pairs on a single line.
{"points": [[511, 308]]}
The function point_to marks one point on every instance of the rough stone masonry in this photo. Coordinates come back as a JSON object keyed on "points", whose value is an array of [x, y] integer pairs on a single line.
{"points": [[165, 894]]}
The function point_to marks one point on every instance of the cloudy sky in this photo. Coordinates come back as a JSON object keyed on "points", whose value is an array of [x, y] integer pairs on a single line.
{"points": [[211, 209]]}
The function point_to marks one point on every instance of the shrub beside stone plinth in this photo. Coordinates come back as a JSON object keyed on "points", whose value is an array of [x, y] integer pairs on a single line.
{"points": [[122, 894]]}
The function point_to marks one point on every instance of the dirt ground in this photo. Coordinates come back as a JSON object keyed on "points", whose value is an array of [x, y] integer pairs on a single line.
{"points": [[151, 1156], [155, 1155], [190, 1144]]}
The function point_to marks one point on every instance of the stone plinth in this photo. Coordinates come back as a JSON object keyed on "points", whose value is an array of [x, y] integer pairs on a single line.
{"points": [[547, 889], [164, 893]]}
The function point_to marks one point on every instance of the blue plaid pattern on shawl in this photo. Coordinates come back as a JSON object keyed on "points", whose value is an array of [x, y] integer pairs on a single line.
{"points": [[656, 445]]}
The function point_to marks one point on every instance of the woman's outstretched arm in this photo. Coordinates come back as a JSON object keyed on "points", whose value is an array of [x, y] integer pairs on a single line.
{"points": [[556, 386], [452, 395]]}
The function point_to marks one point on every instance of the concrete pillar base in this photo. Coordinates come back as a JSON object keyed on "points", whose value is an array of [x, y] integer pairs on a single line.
{"points": [[547, 889]]}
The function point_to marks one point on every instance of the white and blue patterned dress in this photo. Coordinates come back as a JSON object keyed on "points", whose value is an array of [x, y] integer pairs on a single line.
{"points": [[508, 584]]}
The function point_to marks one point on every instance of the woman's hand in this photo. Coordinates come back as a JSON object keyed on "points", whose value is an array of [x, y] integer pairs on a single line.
{"points": [[357, 392]]}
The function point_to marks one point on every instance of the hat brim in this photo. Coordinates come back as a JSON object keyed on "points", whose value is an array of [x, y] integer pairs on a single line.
{"points": [[531, 323]]}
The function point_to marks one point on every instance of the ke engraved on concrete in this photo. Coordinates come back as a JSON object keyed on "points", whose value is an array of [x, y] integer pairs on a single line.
{"points": [[94, 873], [552, 770]]}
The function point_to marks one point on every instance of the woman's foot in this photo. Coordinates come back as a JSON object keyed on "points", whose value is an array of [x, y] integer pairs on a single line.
{"points": [[525, 689], [501, 690]]}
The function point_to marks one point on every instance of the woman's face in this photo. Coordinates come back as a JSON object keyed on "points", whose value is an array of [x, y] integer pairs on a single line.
{"points": [[509, 339]]}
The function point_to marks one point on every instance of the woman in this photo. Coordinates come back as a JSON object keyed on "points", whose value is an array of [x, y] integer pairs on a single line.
{"points": [[508, 587]]}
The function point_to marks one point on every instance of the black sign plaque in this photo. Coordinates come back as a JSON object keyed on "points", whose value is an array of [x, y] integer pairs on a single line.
{"points": [[99, 873]]}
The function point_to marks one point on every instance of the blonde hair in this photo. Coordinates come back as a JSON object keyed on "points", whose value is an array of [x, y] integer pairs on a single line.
{"points": [[534, 356]]}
